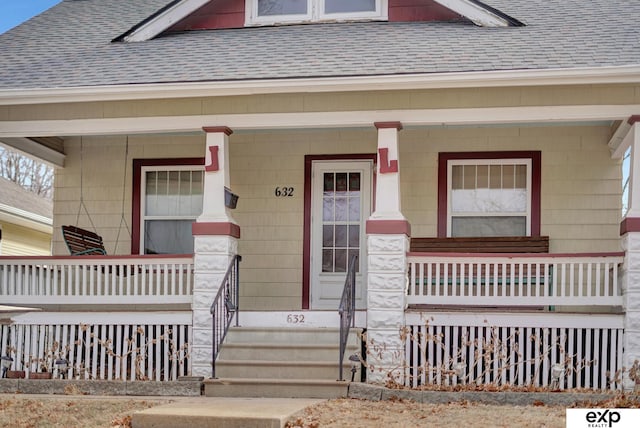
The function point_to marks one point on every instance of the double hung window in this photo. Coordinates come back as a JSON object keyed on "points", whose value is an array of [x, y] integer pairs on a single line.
{"points": [[269, 12], [171, 200], [488, 194]]}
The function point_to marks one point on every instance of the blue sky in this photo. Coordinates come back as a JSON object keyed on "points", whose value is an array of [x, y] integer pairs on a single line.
{"points": [[14, 12]]}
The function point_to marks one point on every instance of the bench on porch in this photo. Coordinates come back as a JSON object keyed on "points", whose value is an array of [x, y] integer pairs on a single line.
{"points": [[494, 244], [81, 242]]}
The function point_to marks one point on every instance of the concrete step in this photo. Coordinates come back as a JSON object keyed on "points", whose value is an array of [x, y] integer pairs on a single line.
{"points": [[275, 388], [281, 362], [287, 336], [260, 369], [207, 412], [284, 352]]}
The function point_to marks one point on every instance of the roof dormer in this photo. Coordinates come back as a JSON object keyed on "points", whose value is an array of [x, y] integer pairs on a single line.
{"points": [[186, 15]]}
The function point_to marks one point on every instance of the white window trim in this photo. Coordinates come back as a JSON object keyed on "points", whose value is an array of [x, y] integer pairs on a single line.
{"points": [[315, 13], [143, 196], [503, 161]]}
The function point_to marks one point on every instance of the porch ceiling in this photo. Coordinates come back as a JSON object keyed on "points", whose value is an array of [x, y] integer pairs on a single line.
{"points": [[47, 149]]}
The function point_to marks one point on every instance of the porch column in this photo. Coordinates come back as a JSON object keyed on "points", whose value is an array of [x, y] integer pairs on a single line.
{"points": [[630, 232], [215, 243], [387, 245]]}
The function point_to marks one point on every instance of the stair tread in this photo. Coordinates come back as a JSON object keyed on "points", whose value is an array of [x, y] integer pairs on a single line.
{"points": [[285, 345], [322, 329], [243, 380], [278, 362]]}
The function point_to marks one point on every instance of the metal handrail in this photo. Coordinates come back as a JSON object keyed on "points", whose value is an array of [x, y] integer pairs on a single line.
{"points": [[224, 307], [347, 309]]}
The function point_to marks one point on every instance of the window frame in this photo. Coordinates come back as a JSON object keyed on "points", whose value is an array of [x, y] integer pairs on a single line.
{"points": [[140, 166], [315, 13], [448, 159]]}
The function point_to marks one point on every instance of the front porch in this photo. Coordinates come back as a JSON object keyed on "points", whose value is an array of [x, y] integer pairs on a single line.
{"points": [[324, 176], [495, 319]]}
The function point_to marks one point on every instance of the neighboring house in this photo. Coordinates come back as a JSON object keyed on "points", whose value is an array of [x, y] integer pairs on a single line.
{"points": [[408, 133], [26, 223]]}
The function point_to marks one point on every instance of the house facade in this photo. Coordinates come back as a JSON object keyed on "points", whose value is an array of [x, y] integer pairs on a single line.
{"points": [[358, 133], [25, 222]]}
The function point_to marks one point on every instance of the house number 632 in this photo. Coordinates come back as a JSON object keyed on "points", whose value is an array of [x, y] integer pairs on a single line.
{"points": [[295, 319], [284, 192]]}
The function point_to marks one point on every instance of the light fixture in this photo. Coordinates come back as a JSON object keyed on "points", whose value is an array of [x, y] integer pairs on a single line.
{"points": [[6, 364], [556, 373], [459, 369], [354, 359], [61, 365]]}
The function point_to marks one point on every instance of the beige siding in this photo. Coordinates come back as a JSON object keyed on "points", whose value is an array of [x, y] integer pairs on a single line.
{"points": [[272, 228], [104, 179], [581, 184], [614, 94], [580, 190], [22, 241]]}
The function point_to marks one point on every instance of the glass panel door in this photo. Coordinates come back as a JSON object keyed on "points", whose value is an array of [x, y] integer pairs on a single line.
{"points": [[341, 203]]}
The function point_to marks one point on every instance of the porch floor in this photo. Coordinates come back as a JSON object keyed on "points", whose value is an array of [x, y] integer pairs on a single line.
{"points": [[415, 308]]}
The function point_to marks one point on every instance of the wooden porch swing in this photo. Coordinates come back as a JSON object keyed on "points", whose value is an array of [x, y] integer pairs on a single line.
{"points": [[82, 242]]}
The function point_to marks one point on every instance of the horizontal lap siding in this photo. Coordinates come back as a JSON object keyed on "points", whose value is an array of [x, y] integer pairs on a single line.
{"points": [[103, 177], [617, 94], [581, 184], [272, 227], [21, 241]]}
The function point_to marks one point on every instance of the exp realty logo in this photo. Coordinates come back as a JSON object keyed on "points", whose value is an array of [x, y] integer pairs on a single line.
{"points": [[602, 418], [598, 419]]}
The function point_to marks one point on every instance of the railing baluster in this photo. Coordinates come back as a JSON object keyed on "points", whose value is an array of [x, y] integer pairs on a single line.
{"points": [[225, 307], [346, 310]]}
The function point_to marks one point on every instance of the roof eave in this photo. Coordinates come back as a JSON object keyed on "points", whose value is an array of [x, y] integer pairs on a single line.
{"points": [[160, 20], [26, 219], [480, 13], [506, 78]]}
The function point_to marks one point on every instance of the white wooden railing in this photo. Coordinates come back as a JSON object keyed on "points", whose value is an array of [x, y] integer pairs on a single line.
{"points": [[514, 280], [546, 349], [96, 280], [130, 346]]}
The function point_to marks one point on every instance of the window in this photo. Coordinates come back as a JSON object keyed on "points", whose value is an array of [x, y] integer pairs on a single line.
{"points": [[626, 176], [269, 12], [341, 218], [489, 194], [169, 199]]}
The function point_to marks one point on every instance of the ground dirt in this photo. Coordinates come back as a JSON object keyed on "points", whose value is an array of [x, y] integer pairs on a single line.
{"points": [[355, 413], [68, 411], [360, 414], [52, 411]]}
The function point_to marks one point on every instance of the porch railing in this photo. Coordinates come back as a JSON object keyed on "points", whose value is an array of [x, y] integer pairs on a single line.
{"points": [[514, 280], [224, 307], [549, 350], [132, 346], [347, 310], [96, 280]]}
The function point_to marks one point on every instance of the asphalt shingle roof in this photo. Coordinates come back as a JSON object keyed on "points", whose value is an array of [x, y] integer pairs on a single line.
{"points": [[13, 195], [70, 45]]}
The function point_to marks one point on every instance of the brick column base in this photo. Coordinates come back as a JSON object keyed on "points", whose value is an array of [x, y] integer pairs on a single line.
{"points": [[386, 296], [631, 304], [213, 253]]}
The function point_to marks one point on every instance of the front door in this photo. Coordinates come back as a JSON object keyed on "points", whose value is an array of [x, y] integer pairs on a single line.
{"points": [[341, 204]]}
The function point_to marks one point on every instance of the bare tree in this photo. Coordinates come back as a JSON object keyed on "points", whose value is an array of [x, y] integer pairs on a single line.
{"points": [[27, 172]]}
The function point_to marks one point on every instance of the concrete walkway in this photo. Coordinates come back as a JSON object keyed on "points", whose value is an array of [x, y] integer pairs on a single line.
{"points": [[222, 412]]}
